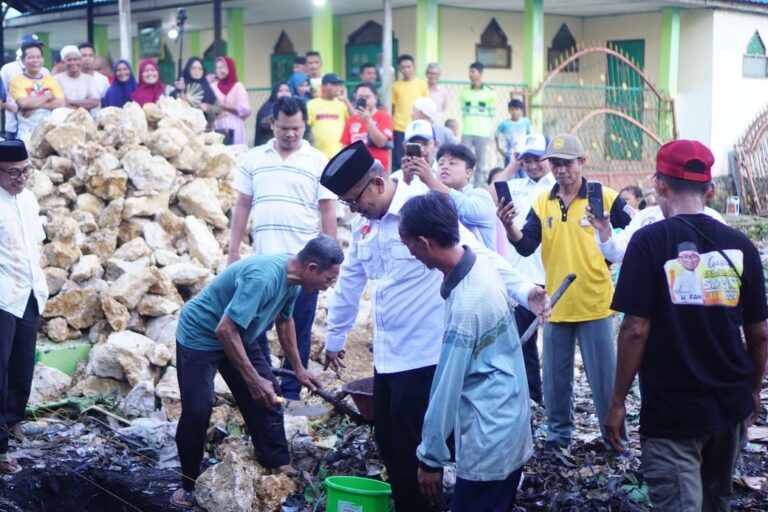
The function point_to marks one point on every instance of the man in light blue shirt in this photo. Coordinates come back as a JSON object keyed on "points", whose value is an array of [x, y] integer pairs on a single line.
{"points": [[407, 310], [477, 212], [218, 331], [478, 393]]}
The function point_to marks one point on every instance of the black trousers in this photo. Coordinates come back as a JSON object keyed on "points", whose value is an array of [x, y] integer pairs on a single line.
{"points": [[400, 403], [303, 318], [196, 370], [492, 496], [18, 337], [524, 318]]}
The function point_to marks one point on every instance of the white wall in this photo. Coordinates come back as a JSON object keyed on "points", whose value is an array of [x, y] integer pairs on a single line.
{"points": [[695, 72], [735, 100]]}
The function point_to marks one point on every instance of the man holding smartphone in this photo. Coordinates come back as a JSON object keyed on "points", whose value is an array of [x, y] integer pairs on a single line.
{"points": [[419, 147], [557, 222], [369, 124]]}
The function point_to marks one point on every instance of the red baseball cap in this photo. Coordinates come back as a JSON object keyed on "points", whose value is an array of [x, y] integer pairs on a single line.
{"points": [[676, 155]]}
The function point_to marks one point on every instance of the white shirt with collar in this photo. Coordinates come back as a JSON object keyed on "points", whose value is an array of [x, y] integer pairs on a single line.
{"points": [[416, 182], [20, 233], [523, 192], [614, 248], [285, 196], [408, 311]]}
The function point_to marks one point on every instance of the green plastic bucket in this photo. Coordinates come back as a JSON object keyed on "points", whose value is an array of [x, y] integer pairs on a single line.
{"points": [[355, 494]]}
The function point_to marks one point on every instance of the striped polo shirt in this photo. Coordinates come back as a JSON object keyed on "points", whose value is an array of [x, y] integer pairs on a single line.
{"points": [[285, 196]]}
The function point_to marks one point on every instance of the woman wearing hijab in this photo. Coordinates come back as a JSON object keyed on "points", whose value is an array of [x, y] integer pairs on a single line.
{"points": [[150, 88], [264, 115], [119, 93], [299, 84], [233, 101], [193, 87]]}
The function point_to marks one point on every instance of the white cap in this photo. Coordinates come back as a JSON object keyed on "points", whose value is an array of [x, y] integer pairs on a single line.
{"points": [[419, 128], [535, 144], [70, 48], [427, 107]]}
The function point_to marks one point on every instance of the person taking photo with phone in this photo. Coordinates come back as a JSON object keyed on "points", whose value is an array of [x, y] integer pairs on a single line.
{"points": [[419, 156], [557, 222], [456, 164], [369, 124]]}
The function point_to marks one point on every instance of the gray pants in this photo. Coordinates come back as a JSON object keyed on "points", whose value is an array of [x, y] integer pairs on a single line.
{"points": [[479, 146], [599, 355], [687, 475]]}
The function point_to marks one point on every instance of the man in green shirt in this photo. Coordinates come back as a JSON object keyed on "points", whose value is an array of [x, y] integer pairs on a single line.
{"points": [[478, 108], [217, 332]]}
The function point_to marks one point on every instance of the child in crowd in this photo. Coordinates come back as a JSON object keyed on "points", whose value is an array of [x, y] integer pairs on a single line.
{"points": [[511, 132]]}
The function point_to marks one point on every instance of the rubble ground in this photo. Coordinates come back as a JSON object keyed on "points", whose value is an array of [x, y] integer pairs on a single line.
{"points": [[84, 465]]}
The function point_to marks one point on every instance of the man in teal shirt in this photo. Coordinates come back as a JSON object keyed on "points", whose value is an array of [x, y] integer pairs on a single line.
{"points": [[478, 109], [218, 330]]}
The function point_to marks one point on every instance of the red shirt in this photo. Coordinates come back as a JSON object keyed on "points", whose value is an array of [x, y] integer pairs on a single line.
{"points": [[355, 129]]}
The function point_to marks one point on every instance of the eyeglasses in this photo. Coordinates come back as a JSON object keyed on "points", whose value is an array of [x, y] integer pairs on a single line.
{"points": [[15, 172], [353, 202]]}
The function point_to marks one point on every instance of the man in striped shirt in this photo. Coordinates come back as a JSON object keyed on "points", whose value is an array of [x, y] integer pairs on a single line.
{"points": [[279, 183]]}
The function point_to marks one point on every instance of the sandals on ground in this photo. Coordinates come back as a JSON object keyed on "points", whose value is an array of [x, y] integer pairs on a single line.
{"points": [[183, 499], [9, 467]]}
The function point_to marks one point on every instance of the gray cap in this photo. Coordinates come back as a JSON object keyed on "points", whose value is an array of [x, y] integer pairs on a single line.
{"points": [[565, 146]]}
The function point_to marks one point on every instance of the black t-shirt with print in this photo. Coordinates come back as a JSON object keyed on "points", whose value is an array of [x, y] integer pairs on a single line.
{"points": [[695, 373]]}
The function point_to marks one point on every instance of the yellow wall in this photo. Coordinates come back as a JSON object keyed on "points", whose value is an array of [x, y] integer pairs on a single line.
{"points": [[460, 31], [645, 26]]}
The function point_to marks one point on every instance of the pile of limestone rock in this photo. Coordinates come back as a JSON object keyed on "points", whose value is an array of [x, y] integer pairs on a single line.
{"points": [[134, 208]]}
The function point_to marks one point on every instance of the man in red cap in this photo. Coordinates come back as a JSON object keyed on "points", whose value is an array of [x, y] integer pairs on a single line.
{"points": [[700, 384]]}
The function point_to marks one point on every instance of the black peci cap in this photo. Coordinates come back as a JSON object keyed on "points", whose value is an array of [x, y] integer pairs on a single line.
{"points": [[13, 151], [347, 168]]}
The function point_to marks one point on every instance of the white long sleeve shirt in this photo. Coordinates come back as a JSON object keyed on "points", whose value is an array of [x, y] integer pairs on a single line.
{"points": [[20, 233], [614, 248], [523, 192], [408, 312]]}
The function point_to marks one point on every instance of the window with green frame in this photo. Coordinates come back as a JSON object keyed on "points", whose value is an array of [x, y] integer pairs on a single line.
{"points": [[755, 62]]}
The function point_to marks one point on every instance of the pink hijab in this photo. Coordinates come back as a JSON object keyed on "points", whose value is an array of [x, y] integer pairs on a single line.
{"points": [[146, 93]]}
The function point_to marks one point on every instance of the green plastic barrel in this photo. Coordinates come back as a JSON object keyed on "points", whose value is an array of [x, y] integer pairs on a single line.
{"points": [[355, 494]]}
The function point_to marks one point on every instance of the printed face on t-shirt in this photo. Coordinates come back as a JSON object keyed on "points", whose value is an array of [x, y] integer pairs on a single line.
{"points": [[688, 259]]}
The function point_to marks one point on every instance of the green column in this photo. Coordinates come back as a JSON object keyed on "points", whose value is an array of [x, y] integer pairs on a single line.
{"points": [[236, 38], [44, 37], [533, 56], [337, 47], [427, 34], [100, 40], [135, 57], [322, 37], [669, 55], [194, 43]]}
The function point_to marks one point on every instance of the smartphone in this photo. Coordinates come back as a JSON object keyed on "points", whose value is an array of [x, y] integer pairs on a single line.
{"points": [[413, 150], [502, 191], [361, 103], [595, 198]]}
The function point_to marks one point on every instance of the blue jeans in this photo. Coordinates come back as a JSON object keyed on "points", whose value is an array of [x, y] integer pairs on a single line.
{"points": [[599, 355], [303, 317]]}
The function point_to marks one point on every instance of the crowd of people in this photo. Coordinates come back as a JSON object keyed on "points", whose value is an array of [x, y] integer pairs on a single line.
{"points": [[458, 272]]}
